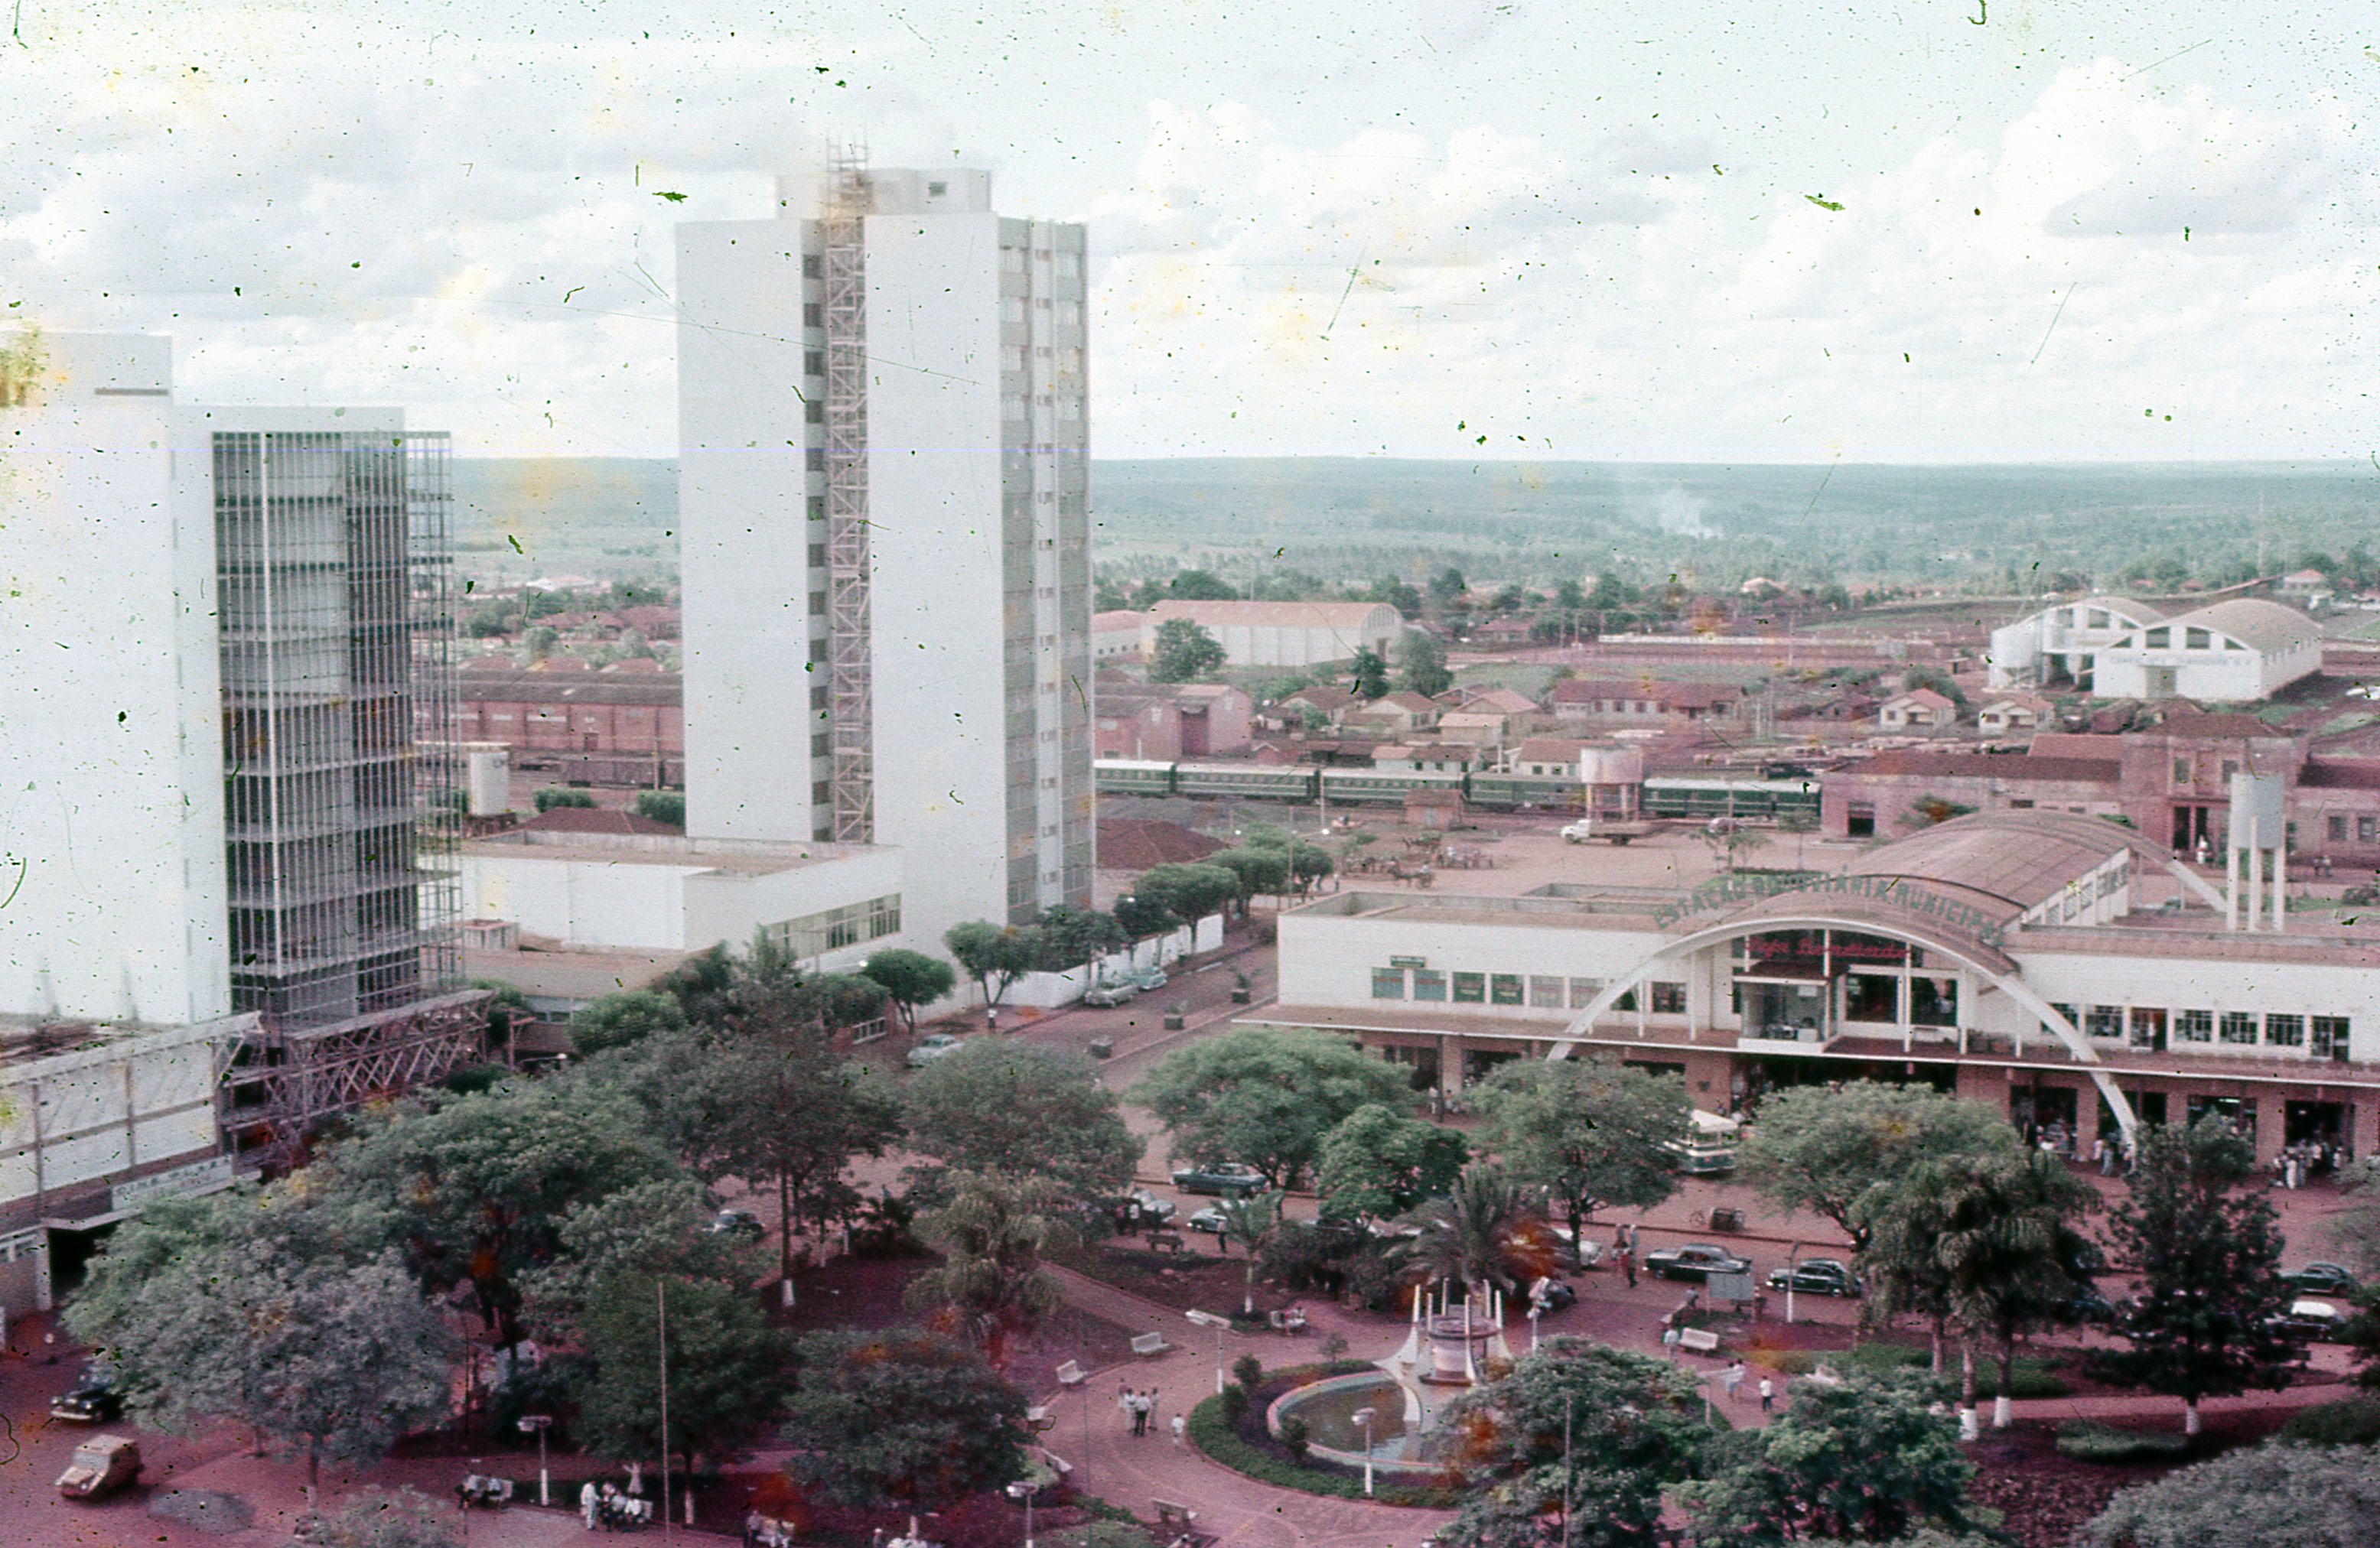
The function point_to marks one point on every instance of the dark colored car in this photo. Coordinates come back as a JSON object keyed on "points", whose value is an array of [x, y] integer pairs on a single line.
{"points": [[2085, 1305], [92, 1400], [1695, 1260], [1230, 1180], [1211, 1220], [1816, 1277], [2308, 1321], [736, 1222], [2321, 1279]]}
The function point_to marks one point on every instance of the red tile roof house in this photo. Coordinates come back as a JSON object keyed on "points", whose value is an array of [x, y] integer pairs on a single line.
{"points": [[1581, 701], [1918, 709]]}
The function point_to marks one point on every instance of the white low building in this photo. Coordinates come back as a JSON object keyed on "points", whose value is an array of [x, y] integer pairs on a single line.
{"points": [[2239, 651], [1285, 633], [96, 1121], [2006, 955]]}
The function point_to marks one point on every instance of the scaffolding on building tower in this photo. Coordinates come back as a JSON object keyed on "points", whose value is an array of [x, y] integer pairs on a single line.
{"points": [[851, 692]]}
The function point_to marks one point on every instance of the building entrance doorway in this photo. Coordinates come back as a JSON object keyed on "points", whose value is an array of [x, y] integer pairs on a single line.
{"points": [[2313, 1123], [2193, 826], [2045, 1115]]}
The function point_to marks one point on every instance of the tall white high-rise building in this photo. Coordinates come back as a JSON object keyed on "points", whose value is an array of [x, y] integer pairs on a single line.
{"points": [[884, 532]]}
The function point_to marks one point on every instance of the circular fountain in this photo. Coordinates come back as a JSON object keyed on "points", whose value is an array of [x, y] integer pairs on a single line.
{"points": [[1450, 1344]]}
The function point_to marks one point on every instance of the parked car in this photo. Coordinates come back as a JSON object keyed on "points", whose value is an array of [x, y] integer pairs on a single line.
{"points": [[1695, 1260], [2321, 1279], [1150, 980], [2308, 1321], [1148, 1207], [2085, 1305], [1233, 1179], [100, 1465], [1816, 1277], [1581, 1254], [933, 1046], [93, 1400], [1104, 995], [736, 1222], [1211, 1220]]}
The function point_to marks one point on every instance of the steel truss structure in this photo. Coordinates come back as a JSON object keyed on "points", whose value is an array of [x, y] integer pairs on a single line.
{"points": [[843, 238]]}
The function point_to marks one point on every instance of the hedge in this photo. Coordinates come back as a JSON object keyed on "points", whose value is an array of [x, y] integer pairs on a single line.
{"points": [[2355, 1421], [1213, 1436], [2089, 1441], [2035, 1376]]}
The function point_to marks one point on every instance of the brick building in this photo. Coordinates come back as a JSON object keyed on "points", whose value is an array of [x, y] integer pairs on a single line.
{"points": [[613, 727], [1163, 722]]}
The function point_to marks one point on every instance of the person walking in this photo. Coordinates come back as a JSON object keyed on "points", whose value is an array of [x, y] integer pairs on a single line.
{"points": [[1628, 1264], [1181, 1428], [1124, 1403], [1731, 1379], [1768, 1396], [587, 1504], [1141, 1405], [1669, 1336]]}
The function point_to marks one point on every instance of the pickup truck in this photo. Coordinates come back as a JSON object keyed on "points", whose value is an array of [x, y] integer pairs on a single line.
{"points": [[1616, 831]]}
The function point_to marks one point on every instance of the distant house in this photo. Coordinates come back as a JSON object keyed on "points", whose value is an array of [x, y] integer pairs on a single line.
{"points": [[2305, 580], [1547, 756], [1399, 713], [1503, 632], [1285, 633], [2020, 713], [1645, 702], [1135, 844], [1166, 721], [1330, 701], [1116, 636], [1484, 730], [1918, 709], [653, 621], [1425, 757]]}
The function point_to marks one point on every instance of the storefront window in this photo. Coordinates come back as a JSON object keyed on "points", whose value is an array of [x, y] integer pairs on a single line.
{"points": [[1504, 989], [1388, 983], [2103, 1020], [2330, 1037], [2195, 1026], [1470, 988], [2285, 1032], [1428, 984], [2239, 1027], [1583, 992], [1545, 993], [1668, 999]]}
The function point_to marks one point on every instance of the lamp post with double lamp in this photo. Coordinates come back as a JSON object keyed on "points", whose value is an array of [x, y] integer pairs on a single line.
{"points": [[1208, 1319], [1025, 1489], [1364, 1417], [539, 1423]]}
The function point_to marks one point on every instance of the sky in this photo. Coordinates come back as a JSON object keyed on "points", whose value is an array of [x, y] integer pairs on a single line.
{"points": [[1581, 229]]}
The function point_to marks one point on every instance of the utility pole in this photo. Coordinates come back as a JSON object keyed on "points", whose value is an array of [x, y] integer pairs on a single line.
{"points": [[661, 1302], [1569, 1463]]}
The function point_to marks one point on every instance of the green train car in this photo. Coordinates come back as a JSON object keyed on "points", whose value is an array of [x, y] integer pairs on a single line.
{"points": [[1349, 787], [1132, 777], [1753, 800], [1246, 780]]}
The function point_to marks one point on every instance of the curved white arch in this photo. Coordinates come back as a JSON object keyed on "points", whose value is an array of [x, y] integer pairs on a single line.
{"points": [[1581, 1024]]}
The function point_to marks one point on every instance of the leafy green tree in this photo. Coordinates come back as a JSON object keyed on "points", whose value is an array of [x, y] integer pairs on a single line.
{"points": [[1251, 1220], [1447, 588], [1396, 593], [1589, 1134], [1421, 662], [1824, 1148], [1199, 585], [1259, 869], [726, 1367], [1484, 1232], [1183, 652], [1379, 1162], [661, 805], [541, 640], [651, 1229], [1578, 1424], [1024, 1110], [993, 1232], [1371, 679], [1867, 1459], [480, 1183], [901, 1416], [1188, 892], [2307, 1496], [2208, 1247], [1072, 937], [995, 956], [552, 796], [1264, 1097], [376, 1518], [626, 1016], [909, 979], [1141, 917]]}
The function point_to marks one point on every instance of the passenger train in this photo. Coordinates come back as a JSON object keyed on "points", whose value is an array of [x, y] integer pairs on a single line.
{"points": [[1694, 799]]}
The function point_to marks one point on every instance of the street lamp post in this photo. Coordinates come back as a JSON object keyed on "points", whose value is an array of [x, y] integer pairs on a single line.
{"points": [[1024, 1490], [1364, 1417], [1208, 1319], [537, 1423]]}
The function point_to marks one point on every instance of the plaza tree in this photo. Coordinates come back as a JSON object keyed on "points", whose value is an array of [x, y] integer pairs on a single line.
{"points": [[1024, 1110], [726, 1367], [1580, 1433], [995, 956], [994, 1231], [910, 1417], [1071, 936], [1589, 1134], [2307, 1496], [909, 979], [1378, 1162], [1260, 868], [1871, 1459], [649, 1229], [1264, 1097], [1251, 1221], [1187, 893], [2208, 1250], [1484, 1232], [616, 1019], [1184, 652], [1825, 1148]]}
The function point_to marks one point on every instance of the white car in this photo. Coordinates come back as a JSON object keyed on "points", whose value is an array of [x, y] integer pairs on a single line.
{"points": [[934, 1045]]}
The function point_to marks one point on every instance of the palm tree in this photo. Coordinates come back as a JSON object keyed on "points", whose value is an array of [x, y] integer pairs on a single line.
{"points": [[1488, 1231], [994, 1233], [1250, 1220]]}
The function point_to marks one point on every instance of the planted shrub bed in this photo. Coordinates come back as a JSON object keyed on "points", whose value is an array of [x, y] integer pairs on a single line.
{"points": [[2089, 1441], [2034, 1375], [1243, 1445]]}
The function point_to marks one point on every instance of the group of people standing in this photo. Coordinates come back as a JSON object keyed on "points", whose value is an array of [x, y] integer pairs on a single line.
{"points": [[609, 1508], [1140, 1408], [1623, 1252]]}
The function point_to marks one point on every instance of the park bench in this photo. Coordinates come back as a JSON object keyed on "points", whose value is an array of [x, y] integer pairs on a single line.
{"points": [[1288, 1320], [1038, 1418], [1072, 1375], [1182, 1521], [1167, 1241], [1056, 1463], [1149, 1344], [477, 1490], [1701, 1340]]}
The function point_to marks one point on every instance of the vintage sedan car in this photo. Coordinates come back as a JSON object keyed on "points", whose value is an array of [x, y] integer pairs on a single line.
{"points": [[1230, 1180], [2321, 1279], [93, 1400], [1695, 1260], [736, 1222], [1816, 1277], [2310, 1321], [934, 1045], [1105, 995], [1211, 1220], [2085, 1305], [100, 1465]]}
